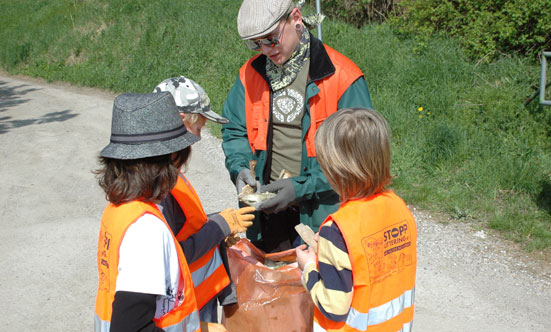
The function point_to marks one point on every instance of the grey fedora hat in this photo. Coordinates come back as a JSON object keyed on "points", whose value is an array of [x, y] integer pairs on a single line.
{"points": [[257, 18], [146, 125], [190, 97]]}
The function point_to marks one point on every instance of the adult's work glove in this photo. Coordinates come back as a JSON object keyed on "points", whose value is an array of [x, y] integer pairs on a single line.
{"points": [[238, 220], [244, 178], [286, 195]]}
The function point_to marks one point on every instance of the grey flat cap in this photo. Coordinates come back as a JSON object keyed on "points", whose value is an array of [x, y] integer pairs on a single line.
{"points": [[258, 18], [146, 125]]}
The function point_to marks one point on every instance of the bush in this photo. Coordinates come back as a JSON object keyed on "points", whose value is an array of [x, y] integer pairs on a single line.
{"points": [[357, 12], [486, 28]]}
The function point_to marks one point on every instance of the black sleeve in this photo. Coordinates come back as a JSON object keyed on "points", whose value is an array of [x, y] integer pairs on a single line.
{"points": [[175, 217], [208, 236], [134, 312], [228, 295]]}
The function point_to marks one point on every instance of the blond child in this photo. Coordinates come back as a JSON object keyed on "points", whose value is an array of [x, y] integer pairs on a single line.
{"points": [[363, 276]]}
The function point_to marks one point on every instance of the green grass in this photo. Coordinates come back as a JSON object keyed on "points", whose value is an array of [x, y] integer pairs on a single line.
{"points": [[475, 151]]}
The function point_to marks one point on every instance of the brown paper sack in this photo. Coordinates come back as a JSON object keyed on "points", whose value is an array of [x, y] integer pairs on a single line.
{"points": [[269, 300]]}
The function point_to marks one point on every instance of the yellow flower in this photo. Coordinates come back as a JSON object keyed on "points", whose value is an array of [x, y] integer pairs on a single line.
{"points": [[420, 116], [420, 109], [428, 113]]}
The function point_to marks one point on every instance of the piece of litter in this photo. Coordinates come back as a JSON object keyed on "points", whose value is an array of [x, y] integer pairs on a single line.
{"points": [[480, 234]]}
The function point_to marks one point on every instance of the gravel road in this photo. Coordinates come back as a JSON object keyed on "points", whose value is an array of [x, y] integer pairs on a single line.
{"points": [[467, 280]]}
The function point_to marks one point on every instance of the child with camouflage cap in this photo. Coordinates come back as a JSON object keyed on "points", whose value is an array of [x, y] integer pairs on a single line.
{"points": [[200, 236]]}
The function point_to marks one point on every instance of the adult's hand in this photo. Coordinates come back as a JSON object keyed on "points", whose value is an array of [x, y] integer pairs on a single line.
{"points": [[286, 195], [244, 178]]}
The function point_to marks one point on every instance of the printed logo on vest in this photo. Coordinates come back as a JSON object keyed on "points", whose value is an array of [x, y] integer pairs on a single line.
{"points": [[385, 252], [396, 238], [103, 259]]}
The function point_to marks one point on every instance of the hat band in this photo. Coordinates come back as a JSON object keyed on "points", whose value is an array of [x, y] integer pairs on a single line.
{"points": [[145, 138]]}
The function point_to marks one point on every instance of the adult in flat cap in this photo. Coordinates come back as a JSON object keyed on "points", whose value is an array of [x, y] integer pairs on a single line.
{"points": [[145, 281], [280, 97]]}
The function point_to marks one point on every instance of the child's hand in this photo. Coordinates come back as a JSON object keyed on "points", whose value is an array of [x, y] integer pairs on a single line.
{"points": [[305, 256], [238, 220], [231, 240]]}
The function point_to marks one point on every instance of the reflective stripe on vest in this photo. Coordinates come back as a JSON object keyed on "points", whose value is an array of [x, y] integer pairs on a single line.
{"points": [[318, 328], [101, 325], [405, 328], [382, 313], [192, 320], [190, 323], [331, 88], [208, 272]]}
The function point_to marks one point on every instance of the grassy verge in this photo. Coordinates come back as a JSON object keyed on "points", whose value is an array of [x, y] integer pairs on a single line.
{"points": [[464, 143]]}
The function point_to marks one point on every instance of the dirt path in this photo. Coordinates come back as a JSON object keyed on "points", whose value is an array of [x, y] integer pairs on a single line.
{"points": [[50, 134]]}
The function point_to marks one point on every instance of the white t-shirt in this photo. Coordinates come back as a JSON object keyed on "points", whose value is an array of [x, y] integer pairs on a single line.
{"points": [[148, 263]]}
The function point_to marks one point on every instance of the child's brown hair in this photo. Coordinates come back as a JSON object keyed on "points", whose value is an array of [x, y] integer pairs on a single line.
{"points": [[146, 179], [353, 150]]}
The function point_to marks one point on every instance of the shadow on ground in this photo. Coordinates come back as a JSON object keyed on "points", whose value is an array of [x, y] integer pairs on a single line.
{"points": [[12, 96]]}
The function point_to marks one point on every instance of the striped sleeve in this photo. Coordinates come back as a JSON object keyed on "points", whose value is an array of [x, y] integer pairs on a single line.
{"points": [[331, 285]]}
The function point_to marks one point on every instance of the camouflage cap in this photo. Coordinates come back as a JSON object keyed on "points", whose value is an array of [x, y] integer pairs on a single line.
{"points": [[257, 18], [189, 97]]}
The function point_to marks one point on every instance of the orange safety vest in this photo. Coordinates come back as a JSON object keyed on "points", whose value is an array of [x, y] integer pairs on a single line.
{"points": [[323, 104], [208, 272], [381, 237], [114, 223]]}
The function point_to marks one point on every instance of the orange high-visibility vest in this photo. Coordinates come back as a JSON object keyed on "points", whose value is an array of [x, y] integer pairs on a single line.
{"points": [[208, 272], [114, 223], [381, 237], [323, 104]]}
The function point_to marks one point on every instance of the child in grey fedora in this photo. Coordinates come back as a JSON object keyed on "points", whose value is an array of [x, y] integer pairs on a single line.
{"points": [[145, 282]]}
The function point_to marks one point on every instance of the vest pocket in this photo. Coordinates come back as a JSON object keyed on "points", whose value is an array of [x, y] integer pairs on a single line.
{"points": [[259, 128]]}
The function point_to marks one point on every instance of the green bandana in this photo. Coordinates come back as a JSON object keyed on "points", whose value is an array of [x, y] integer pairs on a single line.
{"points": [[281, 76]]}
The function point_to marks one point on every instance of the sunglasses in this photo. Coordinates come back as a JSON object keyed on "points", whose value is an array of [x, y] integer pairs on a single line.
{"points": [[269, 42]]}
